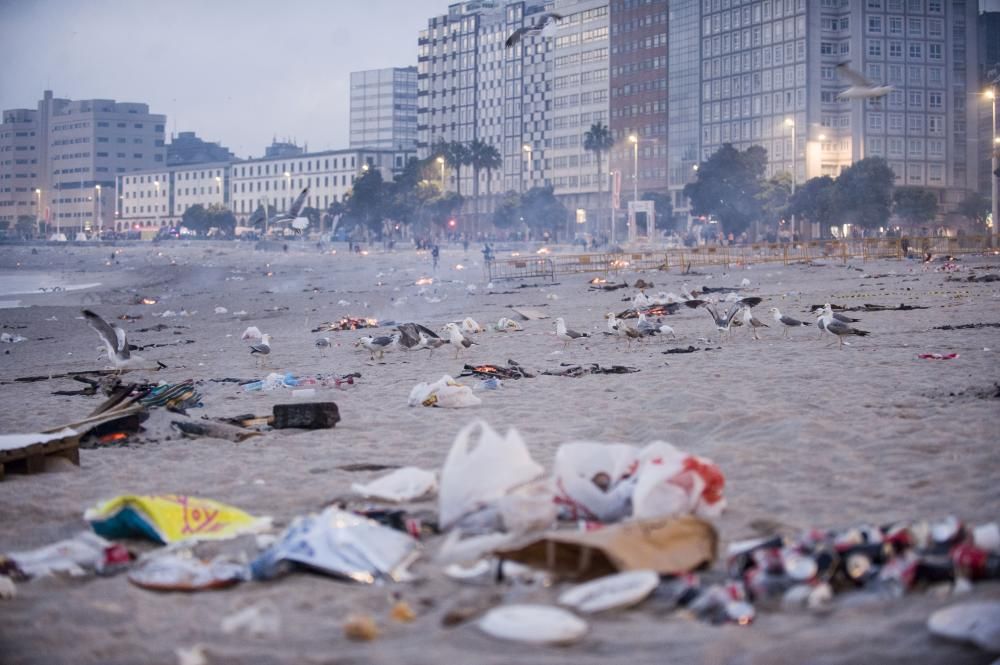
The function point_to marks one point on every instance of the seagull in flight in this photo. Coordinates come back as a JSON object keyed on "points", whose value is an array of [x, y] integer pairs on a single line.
{"points": [[545, 25], [786, 321], [457, 338], [567, 335], [115, 343], [861, 88], [723, 322]]}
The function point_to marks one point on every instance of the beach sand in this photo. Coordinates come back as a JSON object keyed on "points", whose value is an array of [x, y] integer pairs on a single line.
{"points": [[807, 436]]}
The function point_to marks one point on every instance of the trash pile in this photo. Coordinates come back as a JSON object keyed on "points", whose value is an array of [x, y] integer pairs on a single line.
{"points": [[626, 524], [512, 370], [446, 393], [300, 385], [347, 323], [575, 371]]}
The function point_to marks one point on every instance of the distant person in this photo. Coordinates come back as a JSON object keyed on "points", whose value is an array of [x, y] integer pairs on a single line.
{"points": [[435, 255], [465, 243]]}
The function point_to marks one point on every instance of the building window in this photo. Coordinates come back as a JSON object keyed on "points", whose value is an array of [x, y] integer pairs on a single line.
{"points": [[916, 51], [875, 25], [874, 48], [895, 49], [934, 52], [895, 25]]}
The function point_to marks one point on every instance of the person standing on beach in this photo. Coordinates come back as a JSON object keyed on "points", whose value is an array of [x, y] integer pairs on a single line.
{"points": [[435, 255]]}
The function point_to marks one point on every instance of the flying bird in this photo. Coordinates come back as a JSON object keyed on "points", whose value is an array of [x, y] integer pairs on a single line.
{"points": [[786, 321], [724, 321], [545, 25], [115, 342], [287, 216], [457, 338], [409, 336], [861, 88], [565, 334]]}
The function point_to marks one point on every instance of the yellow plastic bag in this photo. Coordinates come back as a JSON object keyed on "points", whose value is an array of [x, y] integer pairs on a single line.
{"points": [[170, 518]]}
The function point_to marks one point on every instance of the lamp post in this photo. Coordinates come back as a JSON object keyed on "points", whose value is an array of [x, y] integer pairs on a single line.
{"points": [[440, 160], [789, 122], [526, 149], [991, 95], [218, 186], [100, 211], [288, 185], [634, 140], [156, 207], [38, 210]]}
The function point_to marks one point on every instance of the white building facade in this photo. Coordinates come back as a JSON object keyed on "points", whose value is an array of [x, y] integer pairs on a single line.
{"points": [[383, 110]]}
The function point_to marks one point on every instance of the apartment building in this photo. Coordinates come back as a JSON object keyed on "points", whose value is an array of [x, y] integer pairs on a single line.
{"points": [[159, 198], [383, 111], [21, 183]]}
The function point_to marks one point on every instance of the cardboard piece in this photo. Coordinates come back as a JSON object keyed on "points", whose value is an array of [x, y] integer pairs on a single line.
{"points": [[669, 546]]}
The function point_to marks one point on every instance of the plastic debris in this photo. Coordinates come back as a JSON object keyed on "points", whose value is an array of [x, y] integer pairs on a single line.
{"points": [[75, 557], [171, 518], [339, 543], [259, 620], [533, 624], [611, 592], [406, 484], [978, 623], [177, 571], [445, 393], [938, 356], [361, 628], [7, 338], [481, 467]]}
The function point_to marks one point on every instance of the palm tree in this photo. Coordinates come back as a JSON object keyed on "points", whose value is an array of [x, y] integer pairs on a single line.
{"points": [[489, 159], [457, 156], [598, 140]]}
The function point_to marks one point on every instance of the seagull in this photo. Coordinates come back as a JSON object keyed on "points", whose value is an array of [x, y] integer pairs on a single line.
{"points": [[619, 328], [565, 334], [645, 326], [378, 345], [841, 330], [614, 325], [409, 336], [457, 338], [641, 300], [430, 343], [752, 322], [861, 88], [545, 25], [722, 323], [287, 216], [115, 342], [820, 313], [667, 330], [323, 342], [787, 321], [262, 348]]}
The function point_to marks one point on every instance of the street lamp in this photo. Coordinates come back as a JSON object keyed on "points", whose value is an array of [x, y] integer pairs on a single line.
{"points": [[635, 167], [288, 184], [218, 189], [156, 207], [440, 160], [526, 148], [100, 212], [789, 122], [38, 210], [991, 95]]}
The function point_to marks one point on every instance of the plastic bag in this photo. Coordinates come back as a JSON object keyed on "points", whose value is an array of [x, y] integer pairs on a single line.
{"points": [[183, 572], [445, 392], [671, 482], [529, 507], [595, 480], [404, 484], [339, 543], [73, 556], [478, 471], [171, 518]]}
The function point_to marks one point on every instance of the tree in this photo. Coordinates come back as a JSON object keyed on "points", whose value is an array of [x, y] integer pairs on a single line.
{"points": [[774, 198], [455, 155], [490, 160], [974, 207], [663, 209], [598, 140], [814, 201], [508, 213], [482, 156], [542, 211], [26, 225], [312, 214], [915, 205], [864, 193], [727, 186], [366, 203]]}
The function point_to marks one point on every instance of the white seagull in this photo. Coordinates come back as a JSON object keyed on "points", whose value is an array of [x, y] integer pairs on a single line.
{"points": [[786, 321], [545, 25], [838, 328], [752, 322], [115, 343], [565, 334], [377, 345], [261, 348], [861, 88], [456, 338]]}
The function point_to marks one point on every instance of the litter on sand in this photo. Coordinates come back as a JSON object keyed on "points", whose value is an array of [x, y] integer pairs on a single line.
{"points": [[406, 484]]}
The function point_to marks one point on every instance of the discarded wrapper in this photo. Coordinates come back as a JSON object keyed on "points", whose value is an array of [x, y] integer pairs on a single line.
{"points": [[171, 518], [342, 544], [668, 546], [176, 572], [445, 392], [406, 484]]}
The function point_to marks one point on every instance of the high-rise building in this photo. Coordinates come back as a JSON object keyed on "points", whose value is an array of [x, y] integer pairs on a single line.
{"points": [[988, 29], [187, 148], [769, 73], [20, 172], [384, 109], [77, 150]]}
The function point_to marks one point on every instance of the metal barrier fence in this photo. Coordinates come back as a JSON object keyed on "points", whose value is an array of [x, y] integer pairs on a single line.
{"points": [[738, 255]]}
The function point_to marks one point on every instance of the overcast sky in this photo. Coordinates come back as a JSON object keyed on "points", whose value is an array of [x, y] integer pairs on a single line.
{"points": [[235, 71]]}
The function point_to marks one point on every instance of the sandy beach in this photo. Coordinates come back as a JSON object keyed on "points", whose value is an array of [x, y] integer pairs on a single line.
{"points": [[807, 436]]}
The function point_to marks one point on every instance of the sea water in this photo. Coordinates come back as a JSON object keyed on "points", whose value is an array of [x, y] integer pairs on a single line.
{"points": [[25, 282]]}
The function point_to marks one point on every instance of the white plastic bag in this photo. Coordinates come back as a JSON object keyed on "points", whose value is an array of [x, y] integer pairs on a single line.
{"points": [[406, 484], [672, 482], [481, 469], [594, 480], [530, 507], [445, 392]]}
